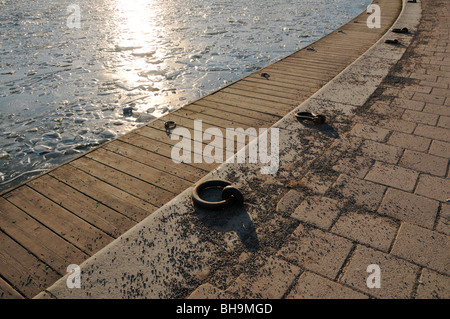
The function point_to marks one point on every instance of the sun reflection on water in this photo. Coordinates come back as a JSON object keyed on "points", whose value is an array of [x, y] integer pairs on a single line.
{"points": [[139, 59]]}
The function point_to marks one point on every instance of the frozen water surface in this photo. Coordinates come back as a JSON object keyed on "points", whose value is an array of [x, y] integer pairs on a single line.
{"points": [[62, 89]]}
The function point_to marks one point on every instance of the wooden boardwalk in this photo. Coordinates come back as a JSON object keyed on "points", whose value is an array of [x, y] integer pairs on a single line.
{"points": [[71, 212]]}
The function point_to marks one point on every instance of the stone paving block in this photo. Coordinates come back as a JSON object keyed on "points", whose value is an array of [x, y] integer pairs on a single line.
{"points": [[425, 77], [425, 163], [431, 98], [398, 125], [318, 210], [345, 146], [433, 286], [407, 92], [271, 281], [289, 202], [397, 276], [390, 91], [316, 250], [343, 89], [356, 166], [408, 104], [409, 141], [418, 88], [441, 91], [386, 109], [381, 151], [444, 79], [420, 117], [208, 291], [433, 132], [424, 247], [370, 132], [444, 121], [393, 176], [433, 187], [434, 84], [440, 148], [367, 228], [443, 224], [361, 192], [312, 286], [316, 183], [409, 207], [437, 109]]}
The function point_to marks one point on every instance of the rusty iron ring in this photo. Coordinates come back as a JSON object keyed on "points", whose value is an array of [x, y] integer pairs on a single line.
{"points": [[316, 119], [230, 194], [169, 125]]}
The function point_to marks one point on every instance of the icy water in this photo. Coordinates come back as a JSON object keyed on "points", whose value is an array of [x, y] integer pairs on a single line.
{"points": [[63, 85]]}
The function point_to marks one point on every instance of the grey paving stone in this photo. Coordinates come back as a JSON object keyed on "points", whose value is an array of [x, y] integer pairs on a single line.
{"points": [[409, 207], [370, 229], [312, 286], [361, 192], [433, 285], [393, 176], [316, 250], [318, 210], [424, 247], [397, 276]]}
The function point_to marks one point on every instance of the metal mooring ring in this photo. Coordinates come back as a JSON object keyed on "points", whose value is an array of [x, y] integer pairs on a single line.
{"points": [[316, 119], [169, 125], [230, 194]]}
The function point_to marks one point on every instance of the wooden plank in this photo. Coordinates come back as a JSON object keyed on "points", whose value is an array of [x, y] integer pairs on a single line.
{"points": [[104, 218], [187, 117], [349, 49], [138, 170], [252, 103], [166, 149], [255, 104], [270, 98], [129, 205], [314, 66], [224, 114], [195, 136], [127, 183], [270, 90], [184, 171], [39, 240], [324, 55], [318, 59], [163, 148], [333, 64], [299, 73], [72, 228], [153, 131], [8, 292], [250, 114], [307, 90], [245, 103], [28, 274], [298, 79]]}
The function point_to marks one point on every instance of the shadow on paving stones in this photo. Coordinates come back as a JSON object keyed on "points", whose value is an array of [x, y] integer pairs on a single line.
{"points": [[234, 218], [325, 128]]}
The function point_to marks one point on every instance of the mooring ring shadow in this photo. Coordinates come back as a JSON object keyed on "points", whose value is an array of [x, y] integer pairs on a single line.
{"points": [[233, 218], [324, 128]]}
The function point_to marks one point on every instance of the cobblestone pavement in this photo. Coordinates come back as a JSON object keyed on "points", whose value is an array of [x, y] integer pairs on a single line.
{"points": [[376, 196]]}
